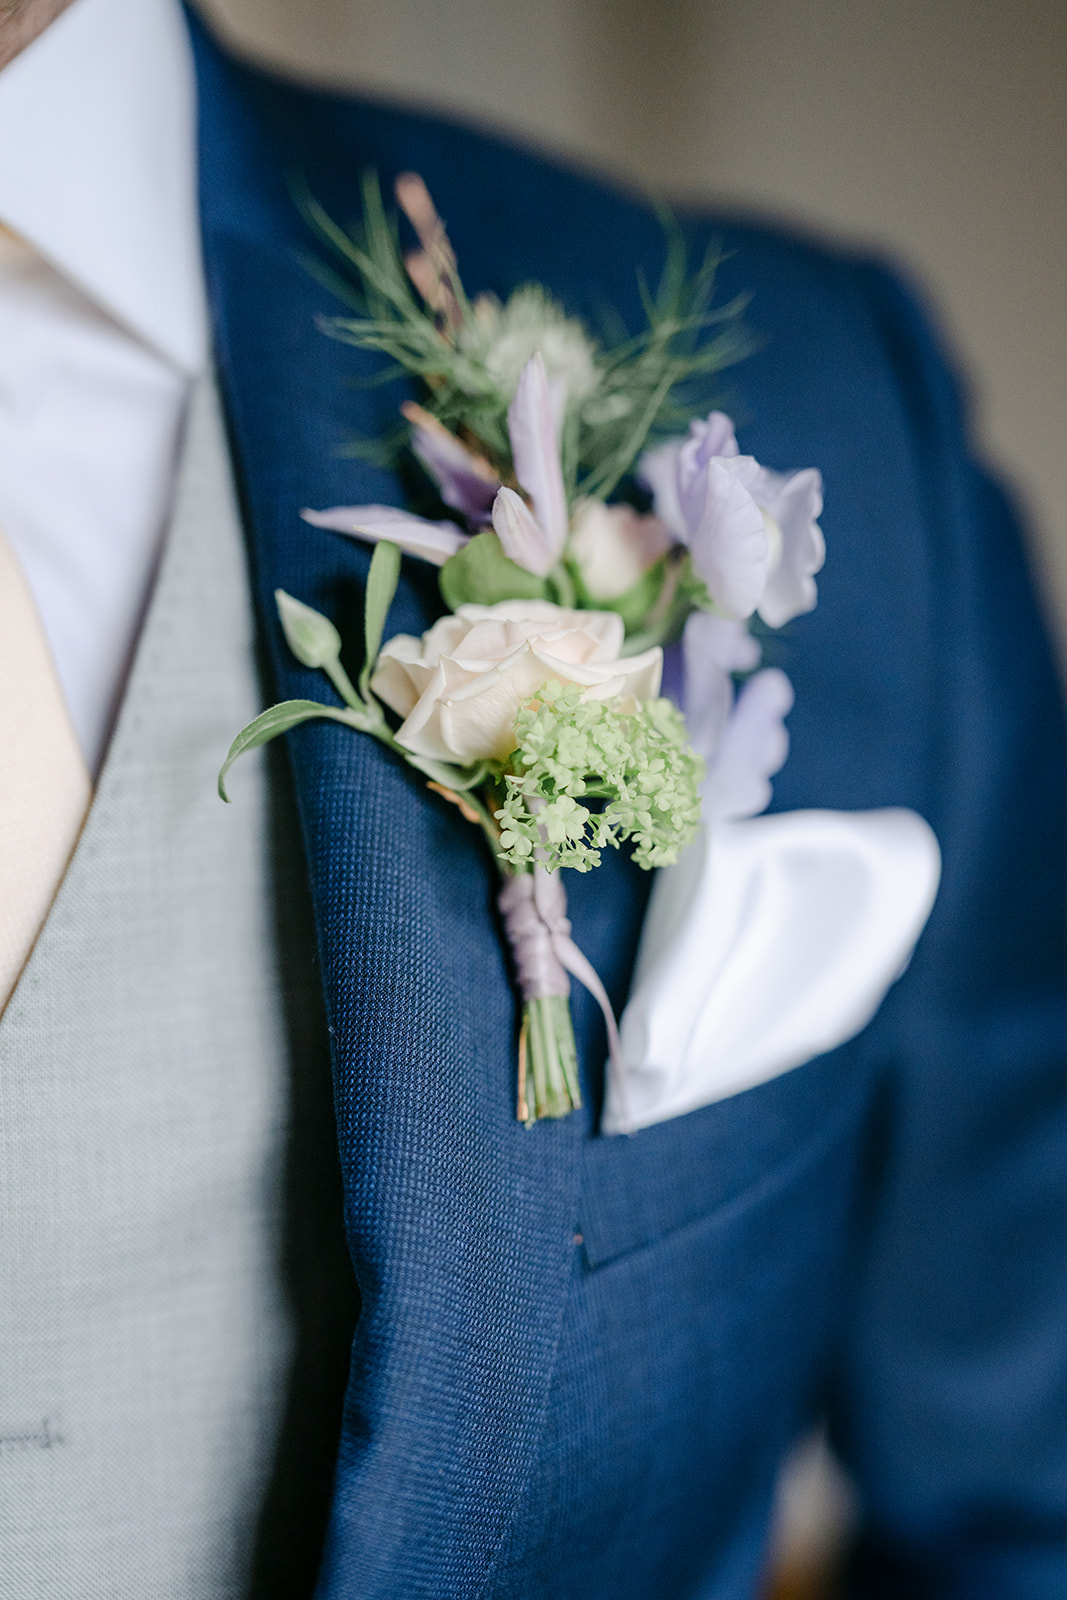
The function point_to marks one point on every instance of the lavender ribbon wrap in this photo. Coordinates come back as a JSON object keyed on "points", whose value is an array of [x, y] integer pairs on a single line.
{"points": [[534, 908]]}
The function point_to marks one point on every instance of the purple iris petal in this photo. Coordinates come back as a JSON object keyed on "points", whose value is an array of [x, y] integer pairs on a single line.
{"points": [[449, 463]]}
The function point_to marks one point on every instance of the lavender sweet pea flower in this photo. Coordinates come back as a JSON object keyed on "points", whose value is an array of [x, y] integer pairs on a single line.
{"points": [[742, 738], [710, 497], [727, 534], [658, 468], [657, 471], [703, 490]]}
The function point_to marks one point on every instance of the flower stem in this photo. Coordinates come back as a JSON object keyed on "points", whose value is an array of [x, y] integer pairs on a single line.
{"points": [[548, 1060]]}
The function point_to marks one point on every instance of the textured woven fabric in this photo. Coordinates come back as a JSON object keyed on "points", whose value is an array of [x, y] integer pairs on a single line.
{"points": [[578, 1358], [146, 1325]]}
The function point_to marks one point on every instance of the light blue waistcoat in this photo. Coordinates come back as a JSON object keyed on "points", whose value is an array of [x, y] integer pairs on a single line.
{"points": [[146, 1334]]}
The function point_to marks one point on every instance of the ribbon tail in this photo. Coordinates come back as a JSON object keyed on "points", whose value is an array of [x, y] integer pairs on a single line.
{"points": [[579, 966]]}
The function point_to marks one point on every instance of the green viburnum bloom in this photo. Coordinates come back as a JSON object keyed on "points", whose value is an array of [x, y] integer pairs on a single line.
{"points": [[634, 757]]}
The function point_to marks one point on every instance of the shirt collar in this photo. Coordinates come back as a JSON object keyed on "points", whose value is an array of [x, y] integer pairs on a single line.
{"points": [[98, 165]]}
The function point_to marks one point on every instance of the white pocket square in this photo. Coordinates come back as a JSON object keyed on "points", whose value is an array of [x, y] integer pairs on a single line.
{"points": [[772, 940]]}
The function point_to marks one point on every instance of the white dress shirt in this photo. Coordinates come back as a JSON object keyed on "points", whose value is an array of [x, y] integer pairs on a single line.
{"points": [[102, 326]]}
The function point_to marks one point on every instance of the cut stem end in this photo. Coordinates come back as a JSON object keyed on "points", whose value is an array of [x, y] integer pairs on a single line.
{"points": [[548, 1061]]}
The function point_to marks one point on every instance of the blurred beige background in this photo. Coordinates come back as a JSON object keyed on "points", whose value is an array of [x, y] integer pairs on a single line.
{"points": [[934, 128]]}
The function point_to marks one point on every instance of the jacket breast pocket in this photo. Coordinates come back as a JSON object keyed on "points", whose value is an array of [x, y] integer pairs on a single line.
{"points": [[637, 1188]]}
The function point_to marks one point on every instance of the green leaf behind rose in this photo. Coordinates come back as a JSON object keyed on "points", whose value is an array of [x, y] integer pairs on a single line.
{"points": [[481, 574]]}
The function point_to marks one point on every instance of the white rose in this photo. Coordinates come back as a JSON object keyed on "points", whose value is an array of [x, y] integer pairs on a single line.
{"points": [[460, 687], [614, 546]]}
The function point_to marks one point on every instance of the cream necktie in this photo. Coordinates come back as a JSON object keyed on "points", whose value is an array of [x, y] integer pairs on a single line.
{"points": [[44, 784]]}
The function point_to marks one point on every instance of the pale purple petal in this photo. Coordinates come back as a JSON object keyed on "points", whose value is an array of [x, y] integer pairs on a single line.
{"points": [[715, 437], [720, 642], [522, 536], [727, 533], [431, 541], [794, 502], [557, 399], [702, 490], [709, 496], [657, 471], [535, 452], [714, 648], [753, 748], [450, 464]]}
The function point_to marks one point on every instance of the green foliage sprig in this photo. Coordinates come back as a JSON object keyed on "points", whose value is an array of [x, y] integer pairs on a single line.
{"points": [[644, 386]]}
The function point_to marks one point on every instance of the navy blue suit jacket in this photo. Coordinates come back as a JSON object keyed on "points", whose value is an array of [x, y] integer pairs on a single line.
{"points": [[578, 1358]]}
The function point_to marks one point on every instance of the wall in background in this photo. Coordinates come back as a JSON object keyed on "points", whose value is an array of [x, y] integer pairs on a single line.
{"points": [[934, 131]]}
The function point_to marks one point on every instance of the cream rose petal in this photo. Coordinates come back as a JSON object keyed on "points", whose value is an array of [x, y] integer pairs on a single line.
{"points": [[397, 675], [639, 675], [605, 626], [478, 718], [443, 639], [394, 685], [491, 642], [460, 687], [420, 731], [423, 731], [576, 647], [405, 668]]}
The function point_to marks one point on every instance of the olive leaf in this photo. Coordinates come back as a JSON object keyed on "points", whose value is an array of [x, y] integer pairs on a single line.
{"points": [[279, 719], [382, 580]]}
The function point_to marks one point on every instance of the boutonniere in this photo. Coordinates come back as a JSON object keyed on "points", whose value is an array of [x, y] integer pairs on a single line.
{"points": [[579, 535]]}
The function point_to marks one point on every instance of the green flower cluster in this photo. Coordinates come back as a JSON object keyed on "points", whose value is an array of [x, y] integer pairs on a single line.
{"points": [[636, 760]]}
